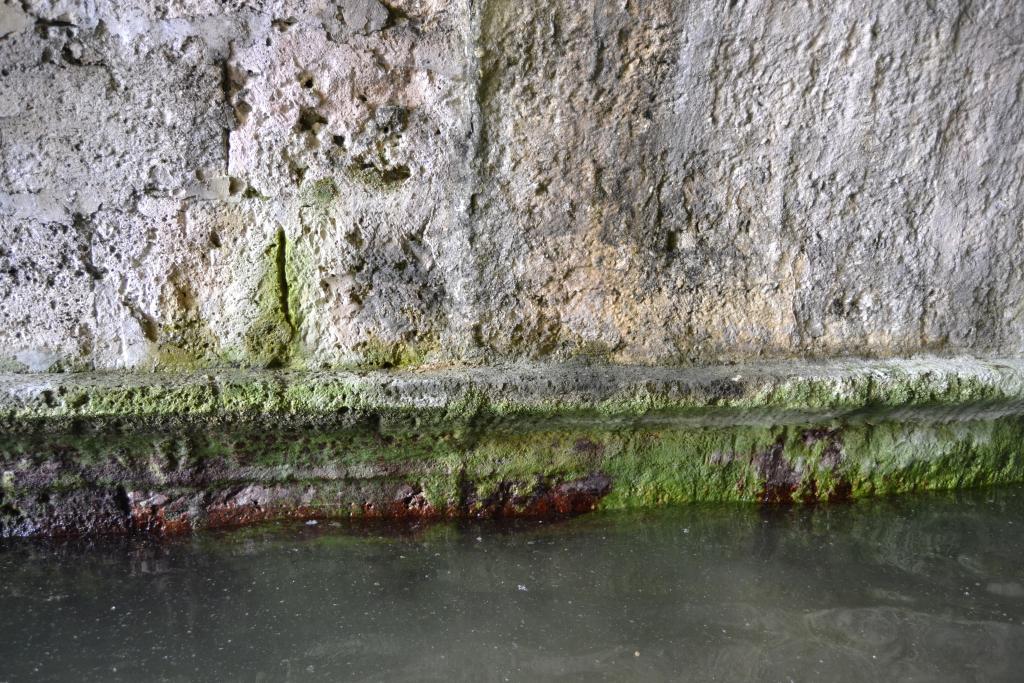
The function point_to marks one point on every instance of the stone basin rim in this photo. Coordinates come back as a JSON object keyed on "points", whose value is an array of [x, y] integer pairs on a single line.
{"points": [[934, 388]]}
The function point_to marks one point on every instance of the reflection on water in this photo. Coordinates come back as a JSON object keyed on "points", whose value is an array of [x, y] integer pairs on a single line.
{"points": [[917, 587]]}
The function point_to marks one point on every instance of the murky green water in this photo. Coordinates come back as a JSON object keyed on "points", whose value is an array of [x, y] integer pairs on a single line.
{"points": [[917, 588]]}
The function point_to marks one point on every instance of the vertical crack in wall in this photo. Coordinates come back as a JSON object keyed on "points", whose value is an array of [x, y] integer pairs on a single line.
{"points": [[268, 340], [228, 89], [281, 261]]}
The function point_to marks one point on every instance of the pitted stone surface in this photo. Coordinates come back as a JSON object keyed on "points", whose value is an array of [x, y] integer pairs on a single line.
{"points": [[362, 183]]}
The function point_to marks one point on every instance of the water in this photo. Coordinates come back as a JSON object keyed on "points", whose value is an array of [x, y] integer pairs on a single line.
{"points": [[924, 588]]}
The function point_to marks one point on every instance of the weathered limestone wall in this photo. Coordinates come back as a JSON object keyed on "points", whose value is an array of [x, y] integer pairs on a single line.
{"points": [[312, 183]]}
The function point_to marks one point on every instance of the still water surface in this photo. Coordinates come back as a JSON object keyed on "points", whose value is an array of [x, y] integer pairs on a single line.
{"points": [[917, 588]]}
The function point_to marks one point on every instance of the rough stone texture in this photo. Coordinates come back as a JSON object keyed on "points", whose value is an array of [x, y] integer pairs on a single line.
{"points": [[309, 184], [566, 396], [169, 452]]}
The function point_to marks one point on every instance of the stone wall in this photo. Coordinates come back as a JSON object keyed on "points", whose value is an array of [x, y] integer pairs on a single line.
{"points": [[309, 183]]}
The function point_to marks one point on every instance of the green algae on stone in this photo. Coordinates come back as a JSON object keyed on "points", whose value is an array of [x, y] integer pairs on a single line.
{"points": [[320, 193], [379, 354], [532, 393], [185, 344], [268, 340], [378, 176], [374, 467]]}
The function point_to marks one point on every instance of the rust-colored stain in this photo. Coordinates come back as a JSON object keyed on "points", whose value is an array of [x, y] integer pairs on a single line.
{"points": [[161, 514], [782, 483], [567, 498], [779, 479]]}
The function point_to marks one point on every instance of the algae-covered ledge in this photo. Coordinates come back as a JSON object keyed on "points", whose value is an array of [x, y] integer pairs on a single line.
{"points": [[56, 401], [87, 453]]}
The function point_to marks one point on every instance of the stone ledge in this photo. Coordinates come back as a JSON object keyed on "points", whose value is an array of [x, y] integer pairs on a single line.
{"points": [[98, 453], [762, 392]]}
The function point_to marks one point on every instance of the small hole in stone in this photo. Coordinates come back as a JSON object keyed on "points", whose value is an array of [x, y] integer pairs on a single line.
{"points": [[283, 24], [398, 174], [71, 55], [242, 111], [310, 121]]}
